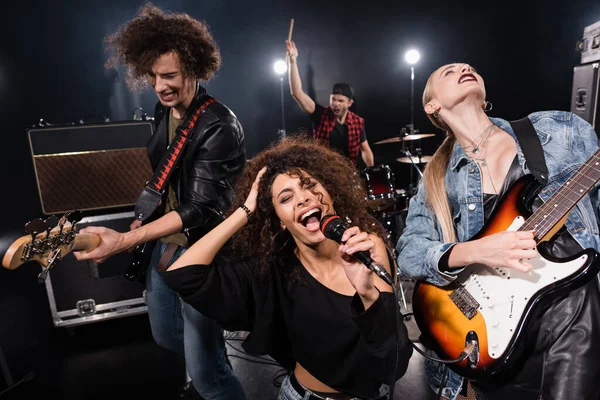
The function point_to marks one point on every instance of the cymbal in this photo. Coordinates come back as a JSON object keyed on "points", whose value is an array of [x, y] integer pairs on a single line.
{"points": [[415, 159], [405, 138]]}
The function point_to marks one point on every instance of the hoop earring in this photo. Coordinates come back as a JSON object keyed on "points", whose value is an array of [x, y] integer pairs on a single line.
{"points": [[274, 241], [436, 114], [488, 106]]}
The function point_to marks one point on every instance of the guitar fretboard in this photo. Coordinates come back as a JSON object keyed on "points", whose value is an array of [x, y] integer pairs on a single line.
{"points": [[575, 188]]}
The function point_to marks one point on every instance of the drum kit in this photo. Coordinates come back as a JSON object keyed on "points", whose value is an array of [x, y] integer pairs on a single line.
{"points": [[387, 203]]}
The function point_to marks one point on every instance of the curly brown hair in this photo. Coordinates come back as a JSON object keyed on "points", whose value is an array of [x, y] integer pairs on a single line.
{"points": [[262, 238], [152, 33]]}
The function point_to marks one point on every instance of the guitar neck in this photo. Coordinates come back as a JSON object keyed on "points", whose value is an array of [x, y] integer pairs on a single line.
{"points": [[86, 242], [558, 206]]}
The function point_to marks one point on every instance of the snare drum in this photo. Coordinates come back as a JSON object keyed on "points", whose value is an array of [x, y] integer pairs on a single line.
{"points": [[381, 191]]}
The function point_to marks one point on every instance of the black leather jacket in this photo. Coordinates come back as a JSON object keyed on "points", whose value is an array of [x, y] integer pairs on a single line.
{"points": [[205, 176]]}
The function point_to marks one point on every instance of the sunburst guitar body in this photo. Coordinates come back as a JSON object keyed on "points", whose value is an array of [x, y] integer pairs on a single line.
{"points": [[494, 307]]}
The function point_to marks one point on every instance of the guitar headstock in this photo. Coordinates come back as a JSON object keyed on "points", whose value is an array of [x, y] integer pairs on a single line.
{"points": [[48, 241]]}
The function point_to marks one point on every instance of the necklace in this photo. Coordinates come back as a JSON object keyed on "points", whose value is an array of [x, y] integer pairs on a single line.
{"points": [[479, 145], [490, 175], [478, 152]]}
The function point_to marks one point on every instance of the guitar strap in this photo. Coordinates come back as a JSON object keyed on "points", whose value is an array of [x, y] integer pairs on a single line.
{"points": [[156, 186], [532, 149]]}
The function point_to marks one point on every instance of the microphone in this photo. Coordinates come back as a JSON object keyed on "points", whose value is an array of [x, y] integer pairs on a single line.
{"points": [[333, 228]]}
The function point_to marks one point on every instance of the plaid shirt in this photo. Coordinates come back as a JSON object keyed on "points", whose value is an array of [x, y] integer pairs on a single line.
{"points": [[355, 126]]}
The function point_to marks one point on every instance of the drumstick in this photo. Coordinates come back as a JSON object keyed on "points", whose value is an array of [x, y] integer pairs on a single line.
{"points": [[291, 29]]}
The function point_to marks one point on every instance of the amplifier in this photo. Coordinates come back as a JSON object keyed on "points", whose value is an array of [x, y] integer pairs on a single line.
{"points": [[90, 166]]}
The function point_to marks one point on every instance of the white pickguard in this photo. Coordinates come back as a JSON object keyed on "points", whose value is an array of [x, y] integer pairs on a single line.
{"points": [[503, 293]]}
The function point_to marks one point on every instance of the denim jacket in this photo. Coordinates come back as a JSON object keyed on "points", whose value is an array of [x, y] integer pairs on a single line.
{"points": [[567, 141]]}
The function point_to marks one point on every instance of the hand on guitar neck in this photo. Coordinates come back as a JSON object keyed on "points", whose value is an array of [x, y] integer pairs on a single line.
{"points": [[113, 242], [48, 241]]}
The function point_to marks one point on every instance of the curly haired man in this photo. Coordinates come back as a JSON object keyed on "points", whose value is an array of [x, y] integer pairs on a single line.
{"points": [[175, 53]]}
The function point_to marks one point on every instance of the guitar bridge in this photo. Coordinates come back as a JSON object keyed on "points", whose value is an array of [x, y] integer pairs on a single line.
{"points": [[464, 301]]}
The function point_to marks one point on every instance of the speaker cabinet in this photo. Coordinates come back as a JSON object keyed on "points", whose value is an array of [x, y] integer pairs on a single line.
{"points": [[90, 167]]}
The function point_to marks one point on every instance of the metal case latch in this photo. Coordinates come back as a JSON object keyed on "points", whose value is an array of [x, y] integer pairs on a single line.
{"points": [[86, 307]]}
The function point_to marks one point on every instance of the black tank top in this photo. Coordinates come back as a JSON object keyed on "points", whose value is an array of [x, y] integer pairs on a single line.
{"points": [[319, 328]]}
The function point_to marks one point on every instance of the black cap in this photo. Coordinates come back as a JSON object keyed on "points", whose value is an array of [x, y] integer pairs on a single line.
{"points": [[344, 89]]}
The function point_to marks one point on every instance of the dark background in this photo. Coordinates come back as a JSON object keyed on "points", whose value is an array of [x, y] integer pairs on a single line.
{"points": [[52, 67]]}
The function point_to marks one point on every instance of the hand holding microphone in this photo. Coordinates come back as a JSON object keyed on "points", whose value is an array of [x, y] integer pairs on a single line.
{"points": [[333, 227]]}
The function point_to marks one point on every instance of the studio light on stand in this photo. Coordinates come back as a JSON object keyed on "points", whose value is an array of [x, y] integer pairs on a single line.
{"points": [[280, 68], [412, 57]]}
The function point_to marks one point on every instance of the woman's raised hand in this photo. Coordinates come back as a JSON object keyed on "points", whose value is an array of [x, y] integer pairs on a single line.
{"points": [[251, 199]]}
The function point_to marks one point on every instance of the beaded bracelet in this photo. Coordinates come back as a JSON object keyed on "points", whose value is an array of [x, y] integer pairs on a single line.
{"points": [[247, 210]]}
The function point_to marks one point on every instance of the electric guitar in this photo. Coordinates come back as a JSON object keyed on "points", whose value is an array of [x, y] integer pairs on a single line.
{"points": [[493, 307], [48, 241]]}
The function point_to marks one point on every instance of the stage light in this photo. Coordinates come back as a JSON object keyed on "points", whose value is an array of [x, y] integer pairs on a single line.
{"points": [[412, 56], [280, 67]]}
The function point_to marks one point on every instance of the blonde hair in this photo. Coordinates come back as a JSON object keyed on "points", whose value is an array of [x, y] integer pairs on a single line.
{"points": [[435, 173]]}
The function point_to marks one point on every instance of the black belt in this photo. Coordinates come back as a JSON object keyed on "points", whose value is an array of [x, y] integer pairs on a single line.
{"points": [[313, 396]]}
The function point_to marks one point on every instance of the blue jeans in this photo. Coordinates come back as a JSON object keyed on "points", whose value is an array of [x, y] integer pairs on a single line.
{"points": [[287, 391], [435, 372], [179, 327]]}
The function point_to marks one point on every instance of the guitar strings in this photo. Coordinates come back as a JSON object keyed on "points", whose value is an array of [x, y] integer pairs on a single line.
{"points": [[561, 205], [563, 194]]}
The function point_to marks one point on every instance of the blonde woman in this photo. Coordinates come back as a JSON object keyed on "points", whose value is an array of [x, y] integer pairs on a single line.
{"points": [[478, 161]]}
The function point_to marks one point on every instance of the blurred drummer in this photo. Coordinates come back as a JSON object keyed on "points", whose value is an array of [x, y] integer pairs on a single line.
{"points": [[335, 124]]}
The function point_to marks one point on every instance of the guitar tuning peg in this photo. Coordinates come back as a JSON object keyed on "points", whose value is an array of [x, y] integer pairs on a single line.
{"points": [[62, 221], [74, 217], [51, 222], [35, 227]]}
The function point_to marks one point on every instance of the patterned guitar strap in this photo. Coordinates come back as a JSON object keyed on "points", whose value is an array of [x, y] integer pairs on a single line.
{"points": [[152, 193]]}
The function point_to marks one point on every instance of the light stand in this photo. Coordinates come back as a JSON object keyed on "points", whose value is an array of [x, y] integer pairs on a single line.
{"points": [[408, 154], [281, 132], [412, 97], [412, 57], [280, 68]]}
